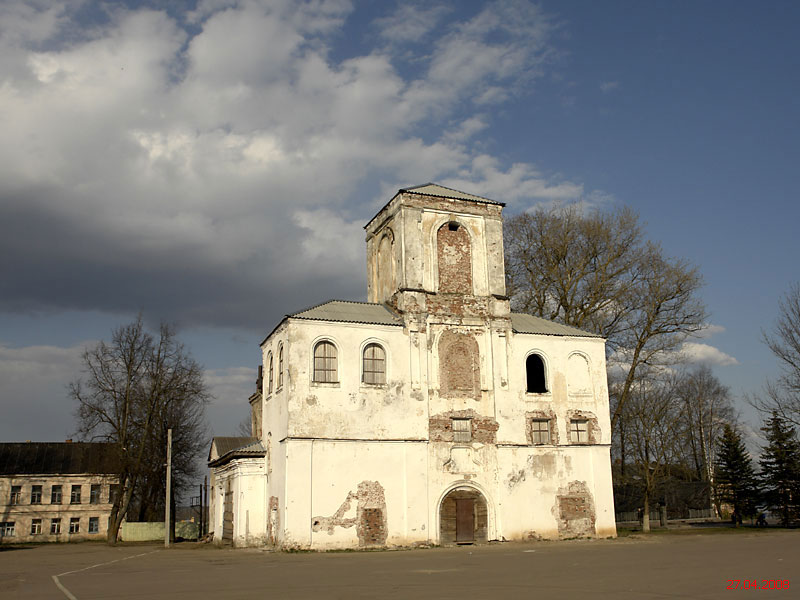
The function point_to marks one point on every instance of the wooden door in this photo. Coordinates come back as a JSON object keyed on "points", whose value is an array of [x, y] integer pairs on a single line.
{"points": [[465, 520]]}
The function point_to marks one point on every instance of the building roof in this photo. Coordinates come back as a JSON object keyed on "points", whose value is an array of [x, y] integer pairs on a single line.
{"points": [[523, 323], [350, 312], [225, 448], [434, 189], [58, 458]]}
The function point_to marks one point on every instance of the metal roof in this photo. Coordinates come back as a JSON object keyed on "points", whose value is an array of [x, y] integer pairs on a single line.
{"points": [[523, 323], [350, 312], [228, 447], [434, 189], [58, 458]]}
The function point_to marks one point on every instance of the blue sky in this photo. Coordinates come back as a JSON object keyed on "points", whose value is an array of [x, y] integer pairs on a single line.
{"points": [[213, 164]]}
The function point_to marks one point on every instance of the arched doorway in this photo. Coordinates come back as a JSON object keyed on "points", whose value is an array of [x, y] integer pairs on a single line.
{"points": [[463, 517]]}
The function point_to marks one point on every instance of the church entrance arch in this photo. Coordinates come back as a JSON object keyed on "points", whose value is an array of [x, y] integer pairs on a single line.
{"points": [[463, 517]]}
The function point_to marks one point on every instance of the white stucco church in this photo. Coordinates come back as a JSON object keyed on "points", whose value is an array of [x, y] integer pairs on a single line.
{"points": [[431, 414]]}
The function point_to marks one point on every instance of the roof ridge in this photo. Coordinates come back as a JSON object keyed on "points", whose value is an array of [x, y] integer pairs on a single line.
{"points": [[444, 187]]}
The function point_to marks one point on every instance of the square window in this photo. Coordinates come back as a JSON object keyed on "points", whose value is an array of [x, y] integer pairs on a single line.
{"points": [[55, 494], [75, 525], [7, 529], [16, 494], [36, 526], [36, 494], [540, 431], [462, 430], [94, 494], [94, 524], [75, 496], [579, 431], [55, 526]]}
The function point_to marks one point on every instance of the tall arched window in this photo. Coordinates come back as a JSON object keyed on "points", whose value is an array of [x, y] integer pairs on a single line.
{"points": [[534, 370], [271, 373], [374, 364], [454, 256], [280, 366], [325, 368]]}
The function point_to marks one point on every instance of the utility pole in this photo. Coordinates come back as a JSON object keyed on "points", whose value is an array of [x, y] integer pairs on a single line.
{"points": [[169, 488]]}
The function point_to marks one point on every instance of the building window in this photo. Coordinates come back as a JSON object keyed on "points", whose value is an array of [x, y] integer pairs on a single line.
{"points": [[271, 373], [462, 430], [75, 496], [36, 494], [534, 371], [113, 490], [75, 525], [36, 526], [55, 526], [325, 363], [7, 529], [374, 364], [280, 366], [55, 494], [540, 431], [94, 494], [16, 494], [94, 524], [579, 431]]}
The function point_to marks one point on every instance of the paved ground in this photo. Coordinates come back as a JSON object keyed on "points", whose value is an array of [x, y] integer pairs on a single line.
{"points": [[665, 566]]}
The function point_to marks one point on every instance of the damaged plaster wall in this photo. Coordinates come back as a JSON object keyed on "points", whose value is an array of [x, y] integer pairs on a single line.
{"points": [[369, 519], [575, 509]]}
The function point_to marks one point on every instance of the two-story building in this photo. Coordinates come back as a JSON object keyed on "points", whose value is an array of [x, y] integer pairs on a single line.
{"points": [[430, 414], [56, 491]]}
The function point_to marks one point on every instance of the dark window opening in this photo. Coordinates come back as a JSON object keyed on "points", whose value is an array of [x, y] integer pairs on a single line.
{"points": [[534, 369], [452, 226]]}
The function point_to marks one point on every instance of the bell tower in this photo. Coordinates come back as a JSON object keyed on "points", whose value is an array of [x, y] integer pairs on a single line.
{"points": [[437, 250]]}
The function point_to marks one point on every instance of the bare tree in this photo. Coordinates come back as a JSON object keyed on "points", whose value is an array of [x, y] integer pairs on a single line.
{"points": [[783, 394], [132, 391], [597, 272], [706, 411], [652, 418]]}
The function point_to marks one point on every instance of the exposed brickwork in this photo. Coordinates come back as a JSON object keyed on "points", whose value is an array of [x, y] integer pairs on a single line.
{"points": [[575, 511], [370, 519], [273, 519], [434, 203], [484, 429], [593, 429], [541, 414], [458, 305], [454, 255], [459, 366]]}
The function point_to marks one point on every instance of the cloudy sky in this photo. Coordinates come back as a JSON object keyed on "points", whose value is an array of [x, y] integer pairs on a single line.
{"points": [[213, 163]]}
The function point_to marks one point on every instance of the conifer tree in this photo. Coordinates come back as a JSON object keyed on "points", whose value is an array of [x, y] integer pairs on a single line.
{"points": [[736, 477], [780, 468]]}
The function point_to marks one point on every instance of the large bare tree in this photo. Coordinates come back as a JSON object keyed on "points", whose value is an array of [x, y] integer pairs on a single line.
{"points": [[596, 271], [783, 394], [132, 390]]}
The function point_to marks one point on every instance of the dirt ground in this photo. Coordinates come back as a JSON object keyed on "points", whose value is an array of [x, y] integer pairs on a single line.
{"points": [[658, 566]]}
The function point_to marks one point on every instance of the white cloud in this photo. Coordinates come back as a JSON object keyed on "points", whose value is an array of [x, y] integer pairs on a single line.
{"points": [[197, 172], [704, 353], [709, 330], [410, 23], [608, 86]]}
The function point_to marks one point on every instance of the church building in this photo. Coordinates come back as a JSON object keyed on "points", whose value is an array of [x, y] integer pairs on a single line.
{"points": [[430, 414]]}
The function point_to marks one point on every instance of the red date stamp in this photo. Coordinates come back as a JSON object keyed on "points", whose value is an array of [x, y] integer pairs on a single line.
{"points": [[755, 584]]}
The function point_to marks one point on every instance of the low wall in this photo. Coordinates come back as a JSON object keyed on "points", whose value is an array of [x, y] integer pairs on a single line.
{"points": [[149, 532]]}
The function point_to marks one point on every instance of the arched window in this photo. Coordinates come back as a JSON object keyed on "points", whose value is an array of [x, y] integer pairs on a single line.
{"points": [[534, 369], [280, 366], [325, 370], [271, 373], [374, 365], [454, 255]]}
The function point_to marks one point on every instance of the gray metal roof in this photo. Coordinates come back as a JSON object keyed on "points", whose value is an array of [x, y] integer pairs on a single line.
{"points": [[523, 323], [228, 447], [58, 458], [434, 189], [350, 312]]}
